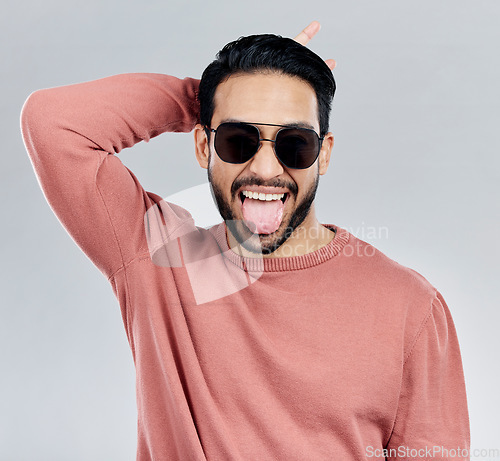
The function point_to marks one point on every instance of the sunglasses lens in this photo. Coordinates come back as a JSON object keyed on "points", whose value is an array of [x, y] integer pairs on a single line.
{"points": [[236, 142], [297, 147]]}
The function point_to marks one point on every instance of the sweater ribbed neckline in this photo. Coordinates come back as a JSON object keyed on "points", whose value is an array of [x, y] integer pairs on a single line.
{"points": [[282, 264]]}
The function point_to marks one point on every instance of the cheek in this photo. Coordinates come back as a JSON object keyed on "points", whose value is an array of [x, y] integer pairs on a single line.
{"points": [[305, 180], [302, 179], [223, 174]]}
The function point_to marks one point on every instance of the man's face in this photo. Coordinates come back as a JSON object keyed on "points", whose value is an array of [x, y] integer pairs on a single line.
{"points": [[273, 99]]}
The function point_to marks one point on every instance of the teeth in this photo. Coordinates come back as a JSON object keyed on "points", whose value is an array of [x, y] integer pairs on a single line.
{"points": [[261, 196]]}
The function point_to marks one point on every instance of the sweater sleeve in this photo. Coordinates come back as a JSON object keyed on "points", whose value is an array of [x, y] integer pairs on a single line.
{"points": [[72, 134], [432, 419]]}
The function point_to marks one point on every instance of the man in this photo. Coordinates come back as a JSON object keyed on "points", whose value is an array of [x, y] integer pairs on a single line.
{"points": [[270, 336]]}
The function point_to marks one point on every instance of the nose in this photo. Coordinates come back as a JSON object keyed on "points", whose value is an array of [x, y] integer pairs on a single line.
{"points": [[265, 163]]}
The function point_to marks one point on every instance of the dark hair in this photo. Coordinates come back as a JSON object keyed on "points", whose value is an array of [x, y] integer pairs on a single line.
{"points": [[268, 53]]}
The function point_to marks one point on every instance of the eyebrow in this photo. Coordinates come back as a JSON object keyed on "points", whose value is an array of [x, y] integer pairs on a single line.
{"points": [[285, 125]]}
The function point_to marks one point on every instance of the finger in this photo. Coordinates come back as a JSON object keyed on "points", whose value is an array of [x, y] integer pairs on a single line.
{"points": [[331, 63], [309, 32]]}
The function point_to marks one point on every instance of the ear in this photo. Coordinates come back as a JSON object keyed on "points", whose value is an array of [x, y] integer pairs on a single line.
{"points": [[325, 153], [201, 146]]}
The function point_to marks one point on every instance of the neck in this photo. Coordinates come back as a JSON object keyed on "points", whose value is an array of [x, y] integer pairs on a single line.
{"points": [[310, 236]]}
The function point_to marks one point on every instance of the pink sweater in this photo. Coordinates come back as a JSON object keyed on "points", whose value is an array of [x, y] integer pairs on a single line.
{"points": [[335, 355]]}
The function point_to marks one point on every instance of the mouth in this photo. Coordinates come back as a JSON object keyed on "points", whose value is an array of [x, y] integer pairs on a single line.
{"points": [[263, 211]]}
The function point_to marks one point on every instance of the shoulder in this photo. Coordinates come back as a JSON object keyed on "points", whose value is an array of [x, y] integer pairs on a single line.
{"points": [[393, 289], [407, 301], [378, 270]]}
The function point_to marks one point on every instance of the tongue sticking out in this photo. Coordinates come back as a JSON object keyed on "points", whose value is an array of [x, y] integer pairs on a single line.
{"points": [[265, 215]]}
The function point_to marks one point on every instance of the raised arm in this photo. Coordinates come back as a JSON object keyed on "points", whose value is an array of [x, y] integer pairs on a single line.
{"points": [[71, 134]]}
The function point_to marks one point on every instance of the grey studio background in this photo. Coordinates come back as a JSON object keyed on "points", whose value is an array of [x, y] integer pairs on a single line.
{"points": [[414, 171]]}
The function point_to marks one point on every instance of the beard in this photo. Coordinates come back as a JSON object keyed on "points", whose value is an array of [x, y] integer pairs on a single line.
{"points": [[262, 243]]}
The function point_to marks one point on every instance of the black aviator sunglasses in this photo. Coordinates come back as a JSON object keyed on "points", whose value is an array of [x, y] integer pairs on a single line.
{"points": [[238, 142]]}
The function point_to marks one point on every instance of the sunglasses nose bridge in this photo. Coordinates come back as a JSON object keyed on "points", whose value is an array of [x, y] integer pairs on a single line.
{"points": [[273, 141], [266, 164], [269, 140]]}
